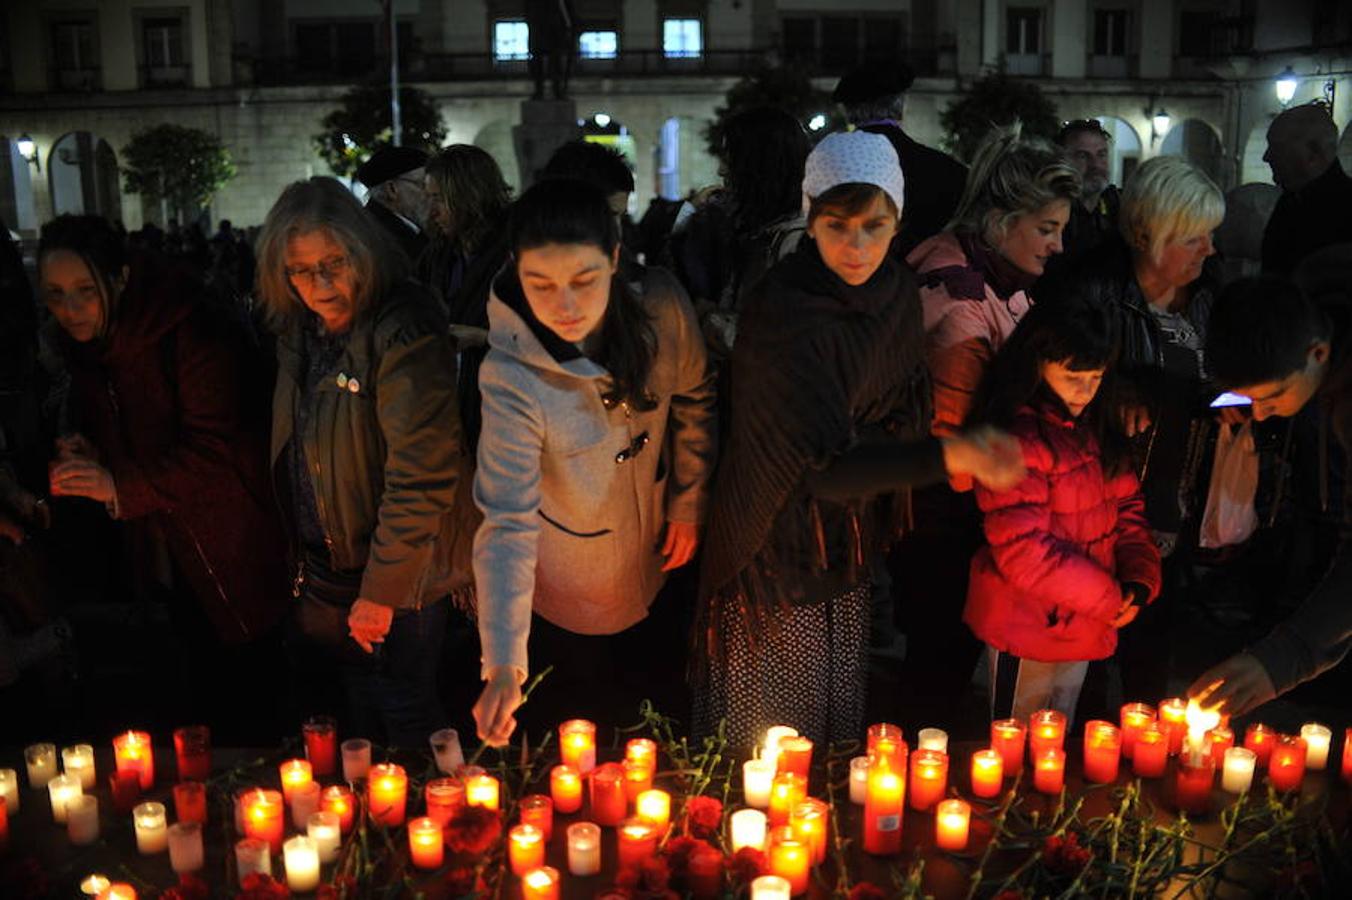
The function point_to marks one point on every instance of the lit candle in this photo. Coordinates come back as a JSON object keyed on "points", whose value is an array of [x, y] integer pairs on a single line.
{"points": [[301, 858], [1049, 770], [425, 845], [885, 740], [63, 789], [771, 887], [1151, 752], [1102, 751], [1007, 739], [584, 848], [577, 744], [808, 821], [295, 772], [654, 807], [1134, 717], [190, 802], [1347, 756], [988, 771], [1237, 776], [859, 779], [152, 834], [641, 751], [757, 777], [320, 734], [94, 885], [1259, 738], [929, 778], [608, 803], [951, 821], [483, 790], [118, 891], [1218, 740], [78, 761], [387, 794], [638, 777], [748, 827], [791, 860], [125, 788], [132, 752], [525, 848], [540, 884], [305, 801], [538, 810], [1192, 784], [445, 797], [565, 787], [252, 855], [41, 759], [637, 841], [1173, 717], [1198, 721], [264, 817], [795, 755], [82, 819], [932, 739], [1286, 765], [883, 809], [9, 789], [1046, 730], [323, 828], [446, 749], [356, 759], [1317, 739], [773, 735], [787, 789], [192, 752], [338, 800], [185, 847]]}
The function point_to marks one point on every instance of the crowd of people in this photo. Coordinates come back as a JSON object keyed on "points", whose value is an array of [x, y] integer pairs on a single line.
{"points": [[715, 460]]}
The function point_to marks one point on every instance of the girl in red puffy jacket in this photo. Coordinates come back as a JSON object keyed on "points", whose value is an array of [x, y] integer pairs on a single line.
{"points": [[1068, 558]]}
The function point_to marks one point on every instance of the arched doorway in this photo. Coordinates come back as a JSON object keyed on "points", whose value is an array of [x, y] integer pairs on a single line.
{"points": [[17, 209], [1197, 142], [82, 173], [1252, 169], [1124, 149]]}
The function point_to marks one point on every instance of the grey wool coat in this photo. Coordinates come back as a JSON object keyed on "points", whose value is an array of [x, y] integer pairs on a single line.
{"points": [[572, 527]]}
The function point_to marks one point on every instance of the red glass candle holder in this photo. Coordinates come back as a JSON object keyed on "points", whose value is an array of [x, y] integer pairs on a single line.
{"points": [[321, 745], [125, 787], [1218, 740], [340, 801], [786, 791], [1049, 770], [1134, 717], [929, 778], [538, 810], [883, 809], [1260, 739], [1286, 763], [565, 788], [886, 742], [1174, 722], [795, 755], [190, 802], [1102, 751], [1196, 774], [192, 748], [608, 803], [1008, 737], [1151, 752], [1046, 731]]}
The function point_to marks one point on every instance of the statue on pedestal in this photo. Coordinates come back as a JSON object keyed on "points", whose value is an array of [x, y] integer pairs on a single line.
{"points": [[551, 45]]}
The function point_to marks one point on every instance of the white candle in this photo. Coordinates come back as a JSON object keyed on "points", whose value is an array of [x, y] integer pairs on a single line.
{"points": [[446, 748], [356, 758], [584, 848], [302, 863], [304, 803], [151, 833], [771, 749], [1237, 775], [933, 739], [748, 829], [94, 885], [770, 887], [185, 847], [757, 777], [859, 780], [79, 761], [1317, 739], [63, 789], [41, 759], [82, 819], [323, 828], [252, 855], [9, 789]]}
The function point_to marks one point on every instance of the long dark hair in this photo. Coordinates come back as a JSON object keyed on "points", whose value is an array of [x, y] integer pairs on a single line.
{"points": [[570, 211], [1079, 334], [763, 153], [99, 246]]}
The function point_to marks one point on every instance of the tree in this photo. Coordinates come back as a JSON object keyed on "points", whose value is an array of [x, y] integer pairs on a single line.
{"points": [[788, 89], [180, 168], [362, 123], [995, 100]]}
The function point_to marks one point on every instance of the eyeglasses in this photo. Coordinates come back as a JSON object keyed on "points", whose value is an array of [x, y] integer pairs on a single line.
{"points": [[330, 270]]}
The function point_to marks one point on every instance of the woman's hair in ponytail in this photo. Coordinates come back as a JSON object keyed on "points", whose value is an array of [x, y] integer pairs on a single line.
{"points": [[1011, 176]]}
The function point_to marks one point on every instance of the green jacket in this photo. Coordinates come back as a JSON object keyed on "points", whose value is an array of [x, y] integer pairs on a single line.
{"points": [[385, 452]]}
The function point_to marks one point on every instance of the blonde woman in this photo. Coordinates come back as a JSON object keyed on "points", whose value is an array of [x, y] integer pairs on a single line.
{"points": [[366, 454]]}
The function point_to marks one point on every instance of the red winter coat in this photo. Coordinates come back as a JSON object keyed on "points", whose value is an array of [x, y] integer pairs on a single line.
{"points": [[1059, 548]]}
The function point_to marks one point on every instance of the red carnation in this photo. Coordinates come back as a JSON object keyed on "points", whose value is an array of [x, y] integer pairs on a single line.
{"points": [[655, 874], [473, 830], [464, 881], [341, 887], [1064, 855], [867, 890], [257, 886], [1009, 894], [745, 866], [678, 852], [703, 816], [189, 887]]}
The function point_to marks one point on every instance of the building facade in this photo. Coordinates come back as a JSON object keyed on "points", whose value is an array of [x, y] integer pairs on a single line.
{"points": [[79, 77]]}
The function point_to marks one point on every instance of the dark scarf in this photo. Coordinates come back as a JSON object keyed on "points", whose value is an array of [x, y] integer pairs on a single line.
{"points": [[507, 287], [1003, 277]]}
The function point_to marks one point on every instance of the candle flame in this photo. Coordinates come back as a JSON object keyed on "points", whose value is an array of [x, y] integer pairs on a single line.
{"points": [[538, 878], [1200, 721]]}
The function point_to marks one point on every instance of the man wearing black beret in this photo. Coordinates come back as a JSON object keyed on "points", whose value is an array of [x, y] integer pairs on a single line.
{"points": [[394, 176], [873, 97]]}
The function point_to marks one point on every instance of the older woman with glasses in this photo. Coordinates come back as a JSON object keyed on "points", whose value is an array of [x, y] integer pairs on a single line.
{"points": [[367, 456]]}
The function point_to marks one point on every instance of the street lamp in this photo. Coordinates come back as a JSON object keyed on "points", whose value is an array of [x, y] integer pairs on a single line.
{"points": [[602, 120], [1286, 85], [817, 122], [1159, 123], [28, 149]]}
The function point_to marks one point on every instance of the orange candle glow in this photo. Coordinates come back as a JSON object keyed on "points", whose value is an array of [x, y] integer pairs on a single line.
{"points": [[787, 790], [577, 744], [951, 821], [1151, 752], [1102, 751], [637, 841], [265, 817], [425, 844], [638, 777], [339, 801], [929, 778], [387, 794], [1218, 740], [445, 797], [1008, 737], [1260, 739], [540, 884], [119, 891], [538, 810], [883, 809], [988, 771], [1134, 717], [1286, 764], [808, 821], [1174, 721], [654, 807], [1046, 730], [295, 773], [525, 848], [483, 790], [791, 860], [608, 803], [885, 741], [795, 755], [1347, 756], [565, 787], [1049, 770], [641, 751], [132, 752]]}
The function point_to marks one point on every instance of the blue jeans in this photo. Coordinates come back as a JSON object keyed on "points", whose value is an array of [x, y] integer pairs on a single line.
{"points": [[394, 690]]}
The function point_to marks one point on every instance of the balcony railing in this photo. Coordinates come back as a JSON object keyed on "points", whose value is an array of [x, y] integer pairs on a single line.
{"points": [[1115, 66], [166, 76], [84, 78]]}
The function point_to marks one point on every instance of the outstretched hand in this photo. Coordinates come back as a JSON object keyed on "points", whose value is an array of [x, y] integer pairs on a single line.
{"points": [[991, 456], [1235, 687], [368, 623], [494, 712]]}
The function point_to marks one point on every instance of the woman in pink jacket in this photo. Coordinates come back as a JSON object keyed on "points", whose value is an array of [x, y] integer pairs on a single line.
{"points": [[1069, 558]]}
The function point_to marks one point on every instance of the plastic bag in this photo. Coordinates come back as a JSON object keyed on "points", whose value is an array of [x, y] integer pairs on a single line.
{"points": [[1230, 517]]}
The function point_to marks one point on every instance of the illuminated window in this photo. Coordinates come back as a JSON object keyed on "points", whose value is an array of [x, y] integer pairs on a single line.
{"points": [[511, 40], [682, 38], [598, 44]]}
